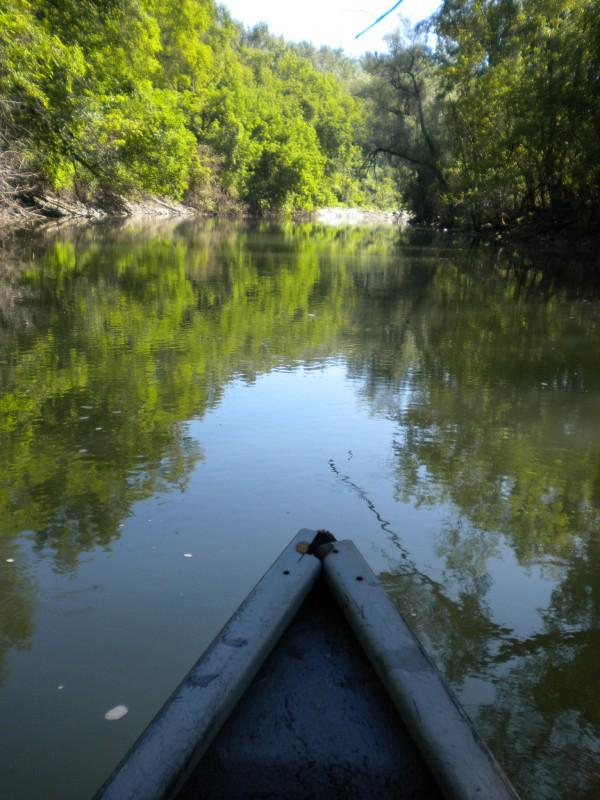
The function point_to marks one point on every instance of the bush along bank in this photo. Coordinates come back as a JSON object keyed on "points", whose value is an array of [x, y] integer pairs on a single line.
{"points": [[130, 98], [486, 117]]}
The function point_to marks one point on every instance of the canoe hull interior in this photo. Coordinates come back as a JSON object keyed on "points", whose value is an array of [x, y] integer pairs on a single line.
{"points": [[316, 687], [315, 723]]}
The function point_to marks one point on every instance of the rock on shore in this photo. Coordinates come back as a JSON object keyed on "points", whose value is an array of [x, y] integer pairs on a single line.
{"points": [[360, 216], [52, 207]]}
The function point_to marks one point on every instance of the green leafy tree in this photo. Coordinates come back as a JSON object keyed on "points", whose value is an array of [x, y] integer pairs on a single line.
{"points": [[406, 121], [174, 98]]}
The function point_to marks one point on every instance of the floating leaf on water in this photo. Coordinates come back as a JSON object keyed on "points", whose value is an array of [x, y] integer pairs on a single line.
{"points": [[118, 712]]}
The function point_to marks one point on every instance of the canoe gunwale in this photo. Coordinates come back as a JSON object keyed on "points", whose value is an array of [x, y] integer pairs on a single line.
{"points": [[171, 747], [459, 760]]}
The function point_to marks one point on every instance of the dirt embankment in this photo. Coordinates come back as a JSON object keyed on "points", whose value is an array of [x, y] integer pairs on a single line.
{"points": [[31, 209]]}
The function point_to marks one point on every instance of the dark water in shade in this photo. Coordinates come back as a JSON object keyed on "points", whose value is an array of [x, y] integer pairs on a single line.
{"points": [[207, 389]]}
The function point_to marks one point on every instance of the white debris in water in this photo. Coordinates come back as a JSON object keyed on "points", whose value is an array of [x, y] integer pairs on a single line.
{"points": [[60, 688], [118, 712], [10, 561], [83, 450], [97, 429], [187, 555], [86, 408], [83, 417]]}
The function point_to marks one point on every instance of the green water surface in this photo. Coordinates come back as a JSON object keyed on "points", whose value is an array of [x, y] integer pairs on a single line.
{"points": [[177, 400]]}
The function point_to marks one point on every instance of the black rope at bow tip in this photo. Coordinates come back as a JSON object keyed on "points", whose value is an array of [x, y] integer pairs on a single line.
{"points": [[322, 537]]}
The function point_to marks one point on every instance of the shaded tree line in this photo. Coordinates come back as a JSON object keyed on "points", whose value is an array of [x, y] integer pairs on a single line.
{"points": [[491, 113]]}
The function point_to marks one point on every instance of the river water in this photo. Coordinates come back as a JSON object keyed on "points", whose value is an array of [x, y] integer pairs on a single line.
{"points": [[177, 400]]}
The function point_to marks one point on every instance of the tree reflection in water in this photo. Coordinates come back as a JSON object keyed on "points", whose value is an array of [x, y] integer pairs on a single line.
{"points": [[112, 340], [499, 422]]}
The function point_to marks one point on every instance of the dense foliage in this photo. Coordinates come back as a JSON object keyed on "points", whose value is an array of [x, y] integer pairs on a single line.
{"points": [[101, 97], [493, 112], [487, 115]]}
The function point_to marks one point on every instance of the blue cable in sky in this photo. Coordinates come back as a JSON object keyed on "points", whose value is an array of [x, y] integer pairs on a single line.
{"points": [[383, 16]]}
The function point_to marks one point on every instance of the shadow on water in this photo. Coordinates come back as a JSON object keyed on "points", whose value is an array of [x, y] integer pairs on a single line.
{"points": [[494, 383], [112, 340]]}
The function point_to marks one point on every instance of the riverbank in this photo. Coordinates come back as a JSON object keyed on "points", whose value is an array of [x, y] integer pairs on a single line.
{"points": [[34, 209], [38, 209]]}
